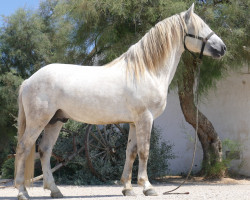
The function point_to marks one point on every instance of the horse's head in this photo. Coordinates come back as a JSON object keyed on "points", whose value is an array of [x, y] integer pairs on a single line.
{"points": [[200, 38]]}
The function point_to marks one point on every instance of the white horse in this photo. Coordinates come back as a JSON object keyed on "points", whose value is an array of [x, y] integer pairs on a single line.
{"points": [[133, 89]]}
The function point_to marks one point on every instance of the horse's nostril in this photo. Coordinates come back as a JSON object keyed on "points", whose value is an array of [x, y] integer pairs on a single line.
{"points": [[224, 48]]}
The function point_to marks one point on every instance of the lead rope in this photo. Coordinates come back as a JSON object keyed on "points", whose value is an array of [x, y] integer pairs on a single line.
{"points": [[197, 80]]}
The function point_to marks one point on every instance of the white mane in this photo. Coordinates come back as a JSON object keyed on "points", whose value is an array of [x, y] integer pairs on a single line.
{"points": [[155, 46]]}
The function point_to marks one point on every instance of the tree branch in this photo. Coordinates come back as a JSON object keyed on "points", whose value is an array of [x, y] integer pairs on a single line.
{"points": [[60, 164]]}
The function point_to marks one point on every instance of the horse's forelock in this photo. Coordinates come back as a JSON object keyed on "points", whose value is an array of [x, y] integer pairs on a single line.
{"points": [[197, 23]]}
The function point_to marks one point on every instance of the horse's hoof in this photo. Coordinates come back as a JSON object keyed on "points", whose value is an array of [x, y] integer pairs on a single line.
{"points": [[57, 194], [128, 192], [150, 192], [23, 197]]}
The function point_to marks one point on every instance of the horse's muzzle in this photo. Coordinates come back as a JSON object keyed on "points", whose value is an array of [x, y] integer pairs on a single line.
{"points": [[218, 53]]}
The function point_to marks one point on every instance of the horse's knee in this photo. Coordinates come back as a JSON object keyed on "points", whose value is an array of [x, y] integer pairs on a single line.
{"points": [[143, 154], [20, 148]]}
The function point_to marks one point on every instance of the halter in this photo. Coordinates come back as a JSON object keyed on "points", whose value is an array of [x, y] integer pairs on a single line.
{"points": [[204, 41]]}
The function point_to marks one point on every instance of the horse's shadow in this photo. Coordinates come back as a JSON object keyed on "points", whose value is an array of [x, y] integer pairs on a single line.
{"points": [[66, 197]]}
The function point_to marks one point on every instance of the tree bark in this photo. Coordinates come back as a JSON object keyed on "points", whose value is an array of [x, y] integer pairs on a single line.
{"points": [[210, 142]]}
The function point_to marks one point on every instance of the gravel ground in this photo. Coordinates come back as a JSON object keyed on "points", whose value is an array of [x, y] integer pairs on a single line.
{"points": [[198, 190]]}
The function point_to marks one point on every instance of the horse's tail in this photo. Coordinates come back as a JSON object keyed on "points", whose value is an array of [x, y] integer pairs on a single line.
{"points": [[29, 163]]}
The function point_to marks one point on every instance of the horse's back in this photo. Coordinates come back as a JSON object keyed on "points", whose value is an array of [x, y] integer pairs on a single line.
{"points": [[87, 94]]}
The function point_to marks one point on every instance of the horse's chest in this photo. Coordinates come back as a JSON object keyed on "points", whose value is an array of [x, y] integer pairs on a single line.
{"points": [[157, 104]]}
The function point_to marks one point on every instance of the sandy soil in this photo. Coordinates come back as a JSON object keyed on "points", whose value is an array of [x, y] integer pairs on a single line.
{"points": [[198, 189]]}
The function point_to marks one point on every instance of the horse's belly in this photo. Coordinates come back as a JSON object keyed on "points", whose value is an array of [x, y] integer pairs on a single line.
{"points": [[96, 111], [98, 117]]}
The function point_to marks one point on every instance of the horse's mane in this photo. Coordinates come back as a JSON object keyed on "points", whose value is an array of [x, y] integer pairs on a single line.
{"points": [[155, 46]]}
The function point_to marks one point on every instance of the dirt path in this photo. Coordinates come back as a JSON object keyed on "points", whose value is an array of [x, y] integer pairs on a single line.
{"points": [[198, 190]]}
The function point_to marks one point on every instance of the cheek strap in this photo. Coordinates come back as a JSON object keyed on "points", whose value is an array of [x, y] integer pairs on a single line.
{"points": [[204, 41]]}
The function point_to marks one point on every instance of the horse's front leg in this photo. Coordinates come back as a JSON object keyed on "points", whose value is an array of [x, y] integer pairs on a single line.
{"points": [[131, 153], [143, 133], [50, 136]]}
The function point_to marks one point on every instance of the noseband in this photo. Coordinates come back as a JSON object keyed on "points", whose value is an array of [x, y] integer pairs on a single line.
{"points": [[204, 41]]}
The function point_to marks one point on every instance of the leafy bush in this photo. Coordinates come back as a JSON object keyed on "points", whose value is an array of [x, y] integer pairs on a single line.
{"points": [[159, 156], [215, 171], [8, 168], [9, 84], [77, 171], [229, 148]]}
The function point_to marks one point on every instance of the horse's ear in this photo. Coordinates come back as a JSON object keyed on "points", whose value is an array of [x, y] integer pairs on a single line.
{"points": [[189, 12]]}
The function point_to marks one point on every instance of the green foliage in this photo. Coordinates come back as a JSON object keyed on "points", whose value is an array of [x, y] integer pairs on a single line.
{"points": [[9, 83], [159, 156], [29, 40], [214, 171], [230, 147], [64, 144], [23, 46], [109, 28], [8, 168], [77, 171]]}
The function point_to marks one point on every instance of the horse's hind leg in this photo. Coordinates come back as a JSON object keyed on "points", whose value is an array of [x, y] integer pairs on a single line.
{"points": [[131, 153], [143, 134], [23, 150], [49, 138]]}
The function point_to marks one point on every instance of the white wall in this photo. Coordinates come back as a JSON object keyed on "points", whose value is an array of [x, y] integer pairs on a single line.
{"points": [[227, 107]]}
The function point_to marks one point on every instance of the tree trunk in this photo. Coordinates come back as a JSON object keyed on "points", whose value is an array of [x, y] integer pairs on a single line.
{"points": [[210, 142]]}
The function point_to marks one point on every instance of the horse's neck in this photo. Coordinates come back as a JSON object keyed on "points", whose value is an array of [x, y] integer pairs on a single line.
{"points": [[170, 66]]}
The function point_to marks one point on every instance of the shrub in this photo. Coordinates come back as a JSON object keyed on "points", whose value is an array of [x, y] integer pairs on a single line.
{"points": [[219, 169], [8, 168], [77, 172]]}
